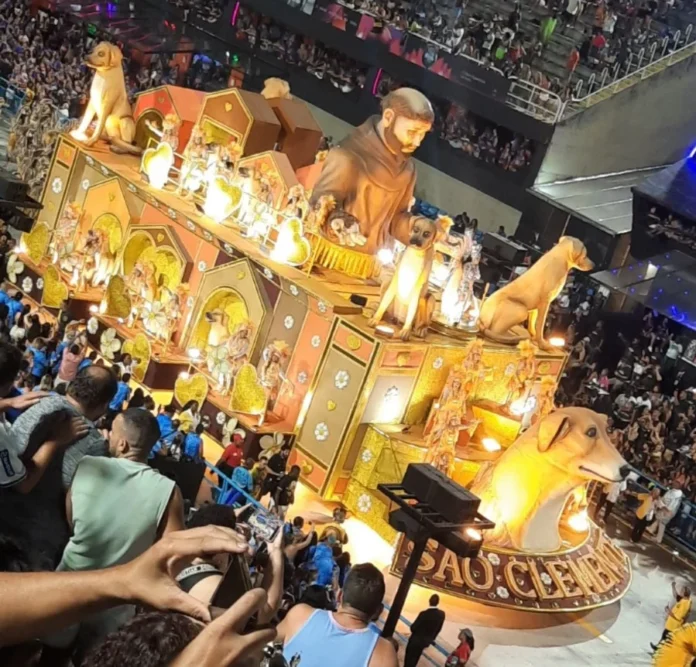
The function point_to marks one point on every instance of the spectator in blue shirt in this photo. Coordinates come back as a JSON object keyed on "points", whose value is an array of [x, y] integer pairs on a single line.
{"points": [[87, 361], [123, 392], [14, 306], [4, 297], [193, 445], [166, 422], [40, 364], [243, 481]]}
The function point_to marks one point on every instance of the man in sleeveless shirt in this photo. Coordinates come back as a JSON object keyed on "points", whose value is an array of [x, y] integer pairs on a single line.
{"points": [[344, 638]]}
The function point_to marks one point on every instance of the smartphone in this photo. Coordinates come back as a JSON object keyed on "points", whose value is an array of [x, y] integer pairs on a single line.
{"points": [[263, 525], [234, 584]]}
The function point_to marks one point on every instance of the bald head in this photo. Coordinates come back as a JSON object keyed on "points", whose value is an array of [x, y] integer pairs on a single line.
{"points": [[409, 103], [92, 390]]}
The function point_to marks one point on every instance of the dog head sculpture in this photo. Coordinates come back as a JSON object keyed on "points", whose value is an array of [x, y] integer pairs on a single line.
{"points": [[577, 253], [104, 56], [525, 491], [426, 232]]}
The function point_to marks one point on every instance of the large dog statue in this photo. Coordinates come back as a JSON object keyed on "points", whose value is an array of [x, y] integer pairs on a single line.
{"points": [[528, 297], [525, 490], [108, 102]]}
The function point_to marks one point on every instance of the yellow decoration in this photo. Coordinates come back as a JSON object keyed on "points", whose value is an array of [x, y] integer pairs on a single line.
{"points": [[307, 468], [139, 349], [135, 247], [112, 197], [354, 342], [227, 300], [402, 359], [51, 206], [222, 199], [352, 263], [331, 406], [55, 291], [241, 275], [228, 107], [118, 302], [160, 237], [168, 265], [248, 396], [291, 247], [156, 163], [111, 226], [193, 388], [36, 241]]}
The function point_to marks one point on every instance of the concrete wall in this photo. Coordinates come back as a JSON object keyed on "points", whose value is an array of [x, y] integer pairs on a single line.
{"points": [[440, 189], [650, 124]]}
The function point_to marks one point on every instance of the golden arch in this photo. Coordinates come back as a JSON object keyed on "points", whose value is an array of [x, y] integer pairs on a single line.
{"points": [[111, 226], [136, 245], [231, 303]]}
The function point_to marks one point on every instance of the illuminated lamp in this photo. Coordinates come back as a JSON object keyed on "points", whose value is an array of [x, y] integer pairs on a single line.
{"points": [[221, 199], [491, 445], [156, 163], [194, 353], [184, 375], [385, 256], [291, 247], [94, 308], [557, 341], [579, 522]]}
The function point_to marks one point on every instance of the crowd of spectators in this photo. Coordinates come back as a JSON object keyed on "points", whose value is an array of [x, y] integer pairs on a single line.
{"points": [[299, 51], [635, 379], [209, 11], [667, 227]]}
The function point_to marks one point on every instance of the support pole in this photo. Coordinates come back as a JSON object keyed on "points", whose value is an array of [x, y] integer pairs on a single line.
{"points": [[402, 593]]}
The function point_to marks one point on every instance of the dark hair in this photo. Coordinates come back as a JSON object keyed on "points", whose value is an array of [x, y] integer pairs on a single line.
{"points": [[298, 522], [93, 388], [200, 428], [75, 349], [149, 403], [147, 640], [170, 409], [434, 600], [61, 389], [126, 378], [189, 404], [137, 399], [364, 589], [213, 514], [10, 362], [143, 429]]}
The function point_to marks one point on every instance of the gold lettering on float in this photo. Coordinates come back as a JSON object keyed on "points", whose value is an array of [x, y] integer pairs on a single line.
{"points": [[539, 584], [563, 578], [471, 582], [509, 573], [450, 563], [605, 580], [613, 556], [584, 579]]}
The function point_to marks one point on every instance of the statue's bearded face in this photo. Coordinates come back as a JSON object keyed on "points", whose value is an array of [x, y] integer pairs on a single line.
{"points": [[403, 135]]}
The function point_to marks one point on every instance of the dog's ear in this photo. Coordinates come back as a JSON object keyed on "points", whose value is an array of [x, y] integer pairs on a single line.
{"points": [[554, 427], [578, 249], [115, 56]]}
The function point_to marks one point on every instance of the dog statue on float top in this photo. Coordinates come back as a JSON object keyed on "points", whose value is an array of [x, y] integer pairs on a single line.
{"points": [[108, 102], [525, 491], [405, 298], [528, 297]]}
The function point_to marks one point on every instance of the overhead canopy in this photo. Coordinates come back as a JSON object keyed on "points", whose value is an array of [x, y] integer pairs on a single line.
{"points": [[673, 187], [666, 283]]}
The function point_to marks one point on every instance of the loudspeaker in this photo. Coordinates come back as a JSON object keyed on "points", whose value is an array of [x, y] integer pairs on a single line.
{"points": [[444, 495]]}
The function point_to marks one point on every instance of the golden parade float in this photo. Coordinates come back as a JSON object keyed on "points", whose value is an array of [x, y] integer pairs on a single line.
{"points": [[305, 299]]}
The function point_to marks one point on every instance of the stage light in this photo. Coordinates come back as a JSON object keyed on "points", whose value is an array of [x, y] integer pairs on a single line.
{"points": [[94, 309], [385, 256], [183, 375], [491, 445], [579, 522], [557, 341], [474, 534], [194, 353], [692, 152]]}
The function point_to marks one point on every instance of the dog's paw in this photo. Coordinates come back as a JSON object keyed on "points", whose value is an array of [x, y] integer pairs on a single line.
{"points": [[372, 322], [405, 333]]}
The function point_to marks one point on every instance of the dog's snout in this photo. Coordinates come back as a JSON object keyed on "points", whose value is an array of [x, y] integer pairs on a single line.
{"points": [[624, 471], [416, 240]]}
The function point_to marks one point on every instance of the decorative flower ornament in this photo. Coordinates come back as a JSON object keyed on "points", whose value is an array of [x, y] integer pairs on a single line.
{"points": [[109, 344], [57, 185], [27, 284], [364, 503], [289, 322], [437, 363], [92, 325], [316, 341], [321, 431], [15, 267], [155, 318], [218, 361], [342, 379]]}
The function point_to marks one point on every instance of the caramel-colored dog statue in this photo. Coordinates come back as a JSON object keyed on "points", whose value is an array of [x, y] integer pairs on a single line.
{"points": [[108, 102], [525, 490], [405, 298], [528, 297]]}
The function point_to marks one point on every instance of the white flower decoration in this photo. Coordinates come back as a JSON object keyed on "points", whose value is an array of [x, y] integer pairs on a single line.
{"points": [[289, 322], [155, 318], [15, 267], [132, 188], [596, 598], [364, 503], [268, 273], [57, 185], [104, 170], [218, 361], [493, 558], [316, 341], [342, 379], [220, 418], [202, 266], [191, 226], [437, 363], [89, 160], [39, 283], [321, 431], [109, 344], [229, 249], [366, 456], [190, 301], [85, 184], [322, 307], [27, 284], [171, 213], [302, 377], [92, 325], [502, 592], [546, 578], [509, 370], [294, 291], [154, 202], [207, 235]]}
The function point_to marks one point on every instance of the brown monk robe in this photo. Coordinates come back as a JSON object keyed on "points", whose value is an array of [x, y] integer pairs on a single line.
{"points": [[371, 174]]}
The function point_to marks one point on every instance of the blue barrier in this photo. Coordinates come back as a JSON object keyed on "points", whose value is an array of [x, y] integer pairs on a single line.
{"points": [[228, 485]]}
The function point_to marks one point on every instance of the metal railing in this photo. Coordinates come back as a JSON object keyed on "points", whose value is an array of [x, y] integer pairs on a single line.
{"points": [[644, 65], [534, 101]]}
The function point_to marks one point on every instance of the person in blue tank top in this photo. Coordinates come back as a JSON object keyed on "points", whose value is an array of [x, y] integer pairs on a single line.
{"points": [[193, 445], [344, 638]]}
